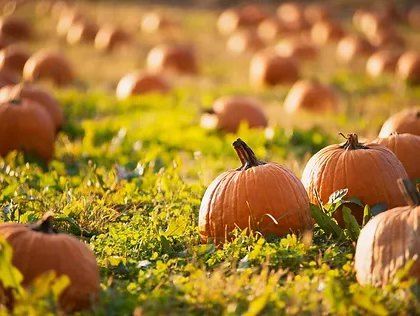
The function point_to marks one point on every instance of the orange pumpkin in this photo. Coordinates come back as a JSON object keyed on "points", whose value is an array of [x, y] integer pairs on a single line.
{"points": [[48, 65], [292, 16], [15, 28], [270, 29], [82, 31], [296, 48], [311, 96], [381, 62], [368, 171], [37, 94], [243, 41], [268, 68], [228, 113], [406, 121], [408, 67], [46, 250], [110, 38], [351, 47], [26, 126], [140, 83], [173, 58], [371, 22], [407, 149], [389, 241], [324, 32], [240, 199], [387, 38], [13, 58], [231, 20], [67, 19]]}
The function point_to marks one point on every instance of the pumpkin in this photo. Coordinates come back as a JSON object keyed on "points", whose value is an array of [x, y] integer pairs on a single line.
{"points": [[37, 94], [8, 77], [292, 16], [153, 22], [268, 68], [139, 83], [240, 199], [13, 58], [243, 41], [48, 65], [387, 38], [389, 241], [233, 19], [324, 32], [381, 62], [407, 149], [67, 19], [350, 47], [312, 96], [368, 171], [316, 12], [296, 48], [173, 58], [371, 22], [413, 17], [406, 121], [270, 29], [82, 31], [408, 67], [26, 126], [46, 250], [229, 112], [15, 28], [110, 38]]}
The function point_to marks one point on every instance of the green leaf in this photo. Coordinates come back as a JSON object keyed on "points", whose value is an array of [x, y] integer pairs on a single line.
{"points": [[326, 222], [10, 277], [352, 226], [337, 196], [367, 215]]}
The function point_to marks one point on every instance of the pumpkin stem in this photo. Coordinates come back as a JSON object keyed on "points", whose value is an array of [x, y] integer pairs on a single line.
{"points": [[246, 155], [352, 142], [45, 224], [411, 195]]}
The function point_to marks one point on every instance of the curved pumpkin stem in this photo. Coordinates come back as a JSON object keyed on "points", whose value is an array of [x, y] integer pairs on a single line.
{"points": [[411, 195], [246, 155], [352, 142], [45, 224]]}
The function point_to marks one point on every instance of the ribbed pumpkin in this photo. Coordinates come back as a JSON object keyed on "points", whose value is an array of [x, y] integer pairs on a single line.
{"points": [[368, 171], [351, 47], [37, 94], [173, 58], [15, 28], [268, 68], [324, 32], [264, 197], [389, 241], [82, 32], [110, 38], [37, 249], [244, 41], [48, 65], [407, 149], [26, 126], [380, 62], [406, 121], [13, 58], [140, 83], [228, 113], [312, 96], [408, 67]]}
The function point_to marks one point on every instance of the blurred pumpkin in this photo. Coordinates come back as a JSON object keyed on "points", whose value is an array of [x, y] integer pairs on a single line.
{"points": [[82, 31], [240, 199], [387, 38], [292, 16], [407, 149], [316, 12], [228, 113], [46, 250], [270, 29], [173, 58], [8, 77], [406, 121], [243, 41], [268, 68], [413, 17], [408, 67], [312, 96], [67, 19], [296, 48], [140, 83], [380, 62], [48, 65], [324, 32], [368, 171], [233, 19], [153, 22], [13, 58], [389, 241], [351, 47], [15, 28], [372, 22], [109, 38]]}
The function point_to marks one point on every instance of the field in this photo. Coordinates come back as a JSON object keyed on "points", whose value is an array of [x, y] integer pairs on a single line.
{"points": [[128, 176]]}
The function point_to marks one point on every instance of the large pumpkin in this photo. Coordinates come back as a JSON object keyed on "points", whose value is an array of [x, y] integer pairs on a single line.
{"points": [[368, 171], [228, 113], [389, 241], [311, 96], [407, 149], [173, 58], [408, 67], [37, 94], [48, 65], [15, 28], [406, 121], [260, 196], [268, 68], [13, 58], [37, 249], [380, 62], [141, 82]]}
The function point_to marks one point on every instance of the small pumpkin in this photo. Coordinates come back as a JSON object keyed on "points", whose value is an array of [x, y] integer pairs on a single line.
{"points": [[407, 149], [46, 250], [229, 112], [233, 19], [408, 67], [351, 47], [316, 12], [26, 126], [140, 83], [153, 22], [109, 38], [389, 241], [292, 16], [15, 28], [239, 199], [270, 29], [387, 38], [67, 19], [368, 171], [406, 121], [243, 41], [37, 94], [48, 65], [296, 48], [13, 58], [312, 96], [413, 17], [82, 31], [324, 32], [172, 58], [268, 68], [371, 22], [380, 62]]}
